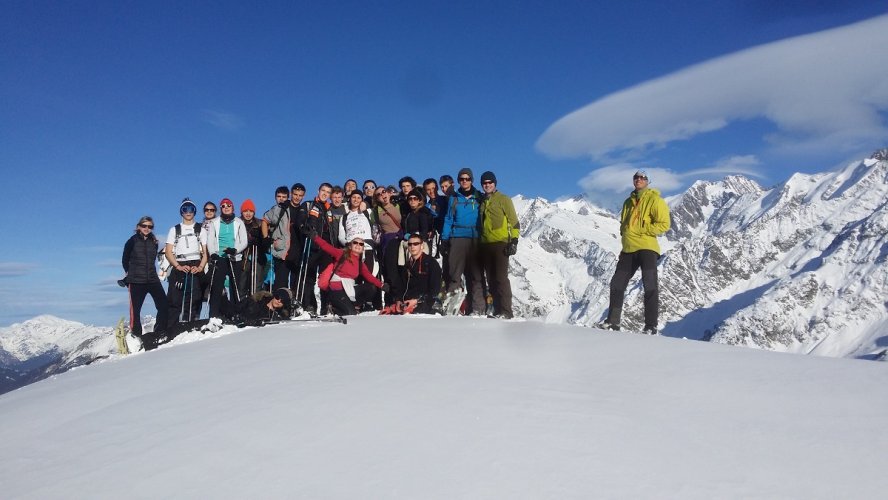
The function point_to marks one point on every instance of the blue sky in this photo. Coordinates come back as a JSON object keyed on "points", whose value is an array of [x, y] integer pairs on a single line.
{"points": [[112, 110]]}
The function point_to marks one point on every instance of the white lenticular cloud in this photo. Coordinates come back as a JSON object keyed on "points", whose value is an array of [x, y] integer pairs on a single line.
{"points": [[823, 91]]}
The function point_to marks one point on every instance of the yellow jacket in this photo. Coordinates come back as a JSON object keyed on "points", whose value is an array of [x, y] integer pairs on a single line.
{"points": [[645, 216], [499, 219]]}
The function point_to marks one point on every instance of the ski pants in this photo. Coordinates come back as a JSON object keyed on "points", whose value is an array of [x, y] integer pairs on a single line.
{"points": [[627, 264], [184, 291], [496, 269], [343, 306], [222, 268], [317, 260], [286, 273], [464, 258], [138, 291]]}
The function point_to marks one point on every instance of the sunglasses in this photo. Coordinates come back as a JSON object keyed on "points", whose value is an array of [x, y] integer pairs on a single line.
{"points": [[207, 209], [636, 177], [465, 179], [487, 182], [412, 198], [359, 243], [147, 226], [414, 243], [226, 205]]}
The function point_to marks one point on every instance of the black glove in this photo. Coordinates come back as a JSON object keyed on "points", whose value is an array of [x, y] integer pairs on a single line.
{"points": [[214, 258], [231, 251], [386, 287], [122, 282], [266, 243], [511, 247], [309, 232], [444, 247]]}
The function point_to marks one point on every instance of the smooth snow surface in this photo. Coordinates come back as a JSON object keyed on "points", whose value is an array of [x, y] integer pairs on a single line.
{"points": [[449, 408]]}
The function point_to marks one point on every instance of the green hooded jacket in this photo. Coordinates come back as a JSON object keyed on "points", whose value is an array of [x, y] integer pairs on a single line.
{"points": [[645, 216], [499, 219]]}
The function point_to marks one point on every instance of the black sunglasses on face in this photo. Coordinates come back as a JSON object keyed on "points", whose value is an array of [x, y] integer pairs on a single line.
{"points": [[465, 179], [146, 226], [414, 243], [636, 177], [209, 209]]}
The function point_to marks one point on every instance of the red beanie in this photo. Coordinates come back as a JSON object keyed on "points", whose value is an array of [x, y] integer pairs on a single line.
{"points": [[248, 205], [226, 201]]}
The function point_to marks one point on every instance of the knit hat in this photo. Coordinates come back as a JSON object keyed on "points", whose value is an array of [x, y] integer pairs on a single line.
{"points": [[465, 170], [356, 192], [418, 193], [187, 203], [641, 173], [488, 176], [285, 296], [226, 200], [248, 205]]}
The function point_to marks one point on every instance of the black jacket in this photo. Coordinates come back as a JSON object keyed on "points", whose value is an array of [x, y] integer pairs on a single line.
{"points": [[421, 222], [139, 254], [254, 309], [316, 215], [420, 279]]}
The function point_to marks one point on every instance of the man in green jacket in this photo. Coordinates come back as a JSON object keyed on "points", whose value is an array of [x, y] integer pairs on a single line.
{"points": [[644, 217], [499, 240]]}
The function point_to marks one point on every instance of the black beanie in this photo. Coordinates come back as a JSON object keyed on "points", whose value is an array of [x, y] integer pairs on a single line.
{"points": [[488, 176], [467, 171]]}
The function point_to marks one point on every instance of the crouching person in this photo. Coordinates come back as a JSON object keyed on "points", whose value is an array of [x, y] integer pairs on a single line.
{"points": [[419, 281], [264, 306], [348, 264]]}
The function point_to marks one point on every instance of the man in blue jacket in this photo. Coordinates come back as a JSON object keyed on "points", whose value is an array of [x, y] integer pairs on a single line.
{"points": [[460, 241]]}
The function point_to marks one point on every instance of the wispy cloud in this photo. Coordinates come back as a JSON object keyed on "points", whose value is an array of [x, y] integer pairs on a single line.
{"points": [[13, 269], [222, 120], [824, 92]]}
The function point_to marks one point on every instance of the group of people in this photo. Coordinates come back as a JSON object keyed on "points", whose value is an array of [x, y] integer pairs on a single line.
{"points": [[410, 249], [416, 249]]}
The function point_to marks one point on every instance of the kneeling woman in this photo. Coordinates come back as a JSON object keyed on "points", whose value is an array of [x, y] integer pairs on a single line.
{"points": [[348, 264]]}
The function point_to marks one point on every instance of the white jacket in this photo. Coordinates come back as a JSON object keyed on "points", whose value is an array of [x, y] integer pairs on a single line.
{"points": [[240, 236], [357, 225]]}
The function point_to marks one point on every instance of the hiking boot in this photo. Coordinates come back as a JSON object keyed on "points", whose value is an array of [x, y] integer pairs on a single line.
{"points": [[649, 330], [607, 326]]}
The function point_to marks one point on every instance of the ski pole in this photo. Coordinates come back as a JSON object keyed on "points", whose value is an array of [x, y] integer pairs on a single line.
{"points": [[212, 282], [182, 311], [234, 281], [190, 277], [303, 268]]}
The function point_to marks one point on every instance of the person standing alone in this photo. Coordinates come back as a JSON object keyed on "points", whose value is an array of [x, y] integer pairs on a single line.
{"points": [[644, 216]]}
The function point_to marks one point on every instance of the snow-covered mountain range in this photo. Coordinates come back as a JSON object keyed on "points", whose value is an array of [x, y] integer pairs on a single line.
{"points": [[800, 267], [45, 346]]}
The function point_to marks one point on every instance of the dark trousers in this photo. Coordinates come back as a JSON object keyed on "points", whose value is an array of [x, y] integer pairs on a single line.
{"points": [[222, 268], [343, 306], [286, 273], [138, 291], [465, 259], [317, 261], [184, 290], [626, 267], [496, 269], [252, 271]]}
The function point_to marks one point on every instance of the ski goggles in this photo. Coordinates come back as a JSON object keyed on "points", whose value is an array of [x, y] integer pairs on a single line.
{"points": [[188, 209]]}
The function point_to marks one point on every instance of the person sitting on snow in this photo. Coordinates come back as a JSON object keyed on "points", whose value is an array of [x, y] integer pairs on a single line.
{"points": [[419, 281], [264, 306]]}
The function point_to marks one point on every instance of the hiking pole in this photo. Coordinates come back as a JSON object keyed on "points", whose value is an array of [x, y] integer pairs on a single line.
{"points": [[303, 271], [182, 310], [190, 277], [234, 281], [253, 270], [212, 282]]}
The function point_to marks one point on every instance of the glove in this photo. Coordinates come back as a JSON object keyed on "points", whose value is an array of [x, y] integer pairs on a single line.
{"points": [[386, 287], [122, 283], [230, 251], [214, 258], [309, 232], [511, 247], [266, 243], [444, 247]]}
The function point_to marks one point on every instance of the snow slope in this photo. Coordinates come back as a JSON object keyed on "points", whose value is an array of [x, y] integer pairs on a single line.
{"points": [[394, 407]]}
